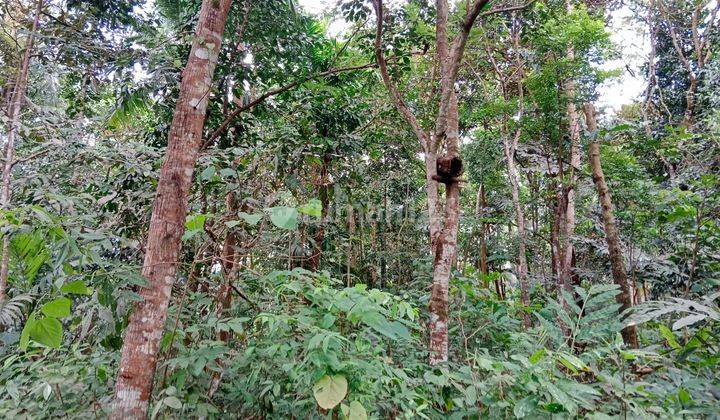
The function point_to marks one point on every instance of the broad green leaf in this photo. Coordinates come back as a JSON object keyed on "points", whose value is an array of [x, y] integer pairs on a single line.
{"points": [[194, 223], [47, 331], [312, 208], [172, 402], [330, 390], [58, 308], [668, 335], [25, 334], [284, 217], [208, 173], [250, 219], [76, 287], [684, 397], [525, 407], [355, 411]]}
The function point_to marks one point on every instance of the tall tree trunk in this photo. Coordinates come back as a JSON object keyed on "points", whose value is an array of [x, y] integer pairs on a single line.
{"points": [[223, 300], [167, 224], [510, 147], [443, 226], [15, 105], [522, 270], [624, 298], [480, 205], [319, 236], [568, 222]]}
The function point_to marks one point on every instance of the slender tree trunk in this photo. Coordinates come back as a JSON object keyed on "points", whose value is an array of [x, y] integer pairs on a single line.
{"points": [[510, 147], [443, 227], [350, 250], [612, 237], [167, 224], [480, 205], [522, 270], [15, 105], [319, 237], [223, 299], [445, 248], [568, 223]]}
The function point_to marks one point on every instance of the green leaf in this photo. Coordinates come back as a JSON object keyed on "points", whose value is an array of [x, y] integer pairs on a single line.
{"points": [[525, 407], [537, 355], [669, 336], [684, 397], [25, 334], [47, 331], [172, 402], [195, 221], [58, 308], [355, 411], [76, 287], [208, 173], [250, 219], [284, 217], [312, 208], [194, 224], [330, 390]]}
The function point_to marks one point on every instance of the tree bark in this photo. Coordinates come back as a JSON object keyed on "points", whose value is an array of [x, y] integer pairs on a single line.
{"points": [[167, 224], [480, 205], [612, 237], [568, 222], [510, 147], [443, 225], [13, 112], [319, 236]]}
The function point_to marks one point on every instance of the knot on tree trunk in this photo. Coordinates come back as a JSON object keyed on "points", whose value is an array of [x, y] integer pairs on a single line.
{"points": [[448, 170]]}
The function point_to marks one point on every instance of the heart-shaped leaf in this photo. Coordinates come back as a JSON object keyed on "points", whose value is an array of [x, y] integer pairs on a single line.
{"points": [[284, 217], [47, 331], [58, 308], [330, 390]]}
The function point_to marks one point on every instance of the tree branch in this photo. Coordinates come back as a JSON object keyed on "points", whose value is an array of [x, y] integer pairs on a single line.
{"points": [[449, 69], [394, 93], [225, 124]]}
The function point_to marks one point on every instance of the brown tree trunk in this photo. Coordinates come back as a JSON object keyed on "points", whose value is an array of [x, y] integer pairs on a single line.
{"points": [[443, 225], [13, 113], [612, 237], [319, 236], [167, 224], [510, 147], [480, 205], [223, 299], [568, 222]]}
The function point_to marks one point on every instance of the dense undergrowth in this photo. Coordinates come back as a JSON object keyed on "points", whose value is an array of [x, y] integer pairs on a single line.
{"points": [[311, 327]]}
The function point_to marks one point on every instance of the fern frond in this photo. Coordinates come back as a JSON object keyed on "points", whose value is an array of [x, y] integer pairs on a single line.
{"points": [[11, 309]]}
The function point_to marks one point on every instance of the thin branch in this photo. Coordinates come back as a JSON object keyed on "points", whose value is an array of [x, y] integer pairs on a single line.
{"points": [[30, 157], [394, 93], [449, 70], [507, 9], [225, 124]]}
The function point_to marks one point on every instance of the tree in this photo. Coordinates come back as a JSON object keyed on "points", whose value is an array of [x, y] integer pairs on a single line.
{"points": [[14, 109], [167, 225], [445, 168], [612, 237]]}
